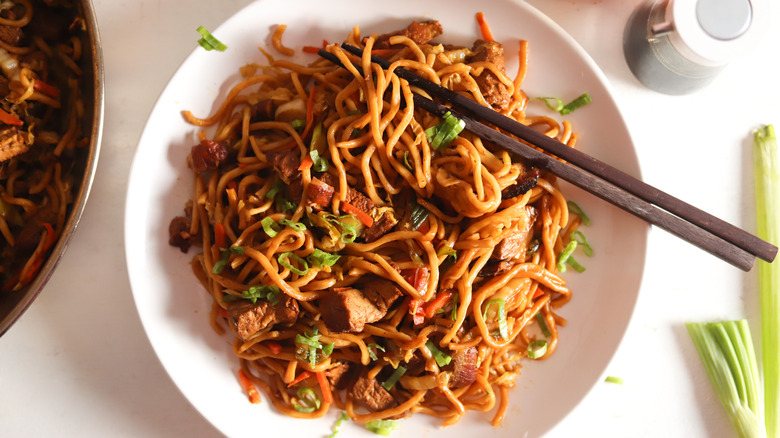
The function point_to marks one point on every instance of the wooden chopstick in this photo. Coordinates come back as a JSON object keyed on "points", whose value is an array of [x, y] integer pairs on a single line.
{"points": [[741, 238], [694, 233]]}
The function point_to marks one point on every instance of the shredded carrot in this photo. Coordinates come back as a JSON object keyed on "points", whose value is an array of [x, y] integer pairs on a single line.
{"points": [[275, 347], [9, 119], [249, 387], [437, 303], [384, 52], [417, 277], [301, 377], [219, 235], [364, 218], [46, 89], [310, 49], [223, 313], [327, 397], [306, 163], [417, 311], [484, 27]]}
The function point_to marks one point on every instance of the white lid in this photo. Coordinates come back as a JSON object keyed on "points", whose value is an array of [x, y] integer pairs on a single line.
{"points": [[714, 32]]}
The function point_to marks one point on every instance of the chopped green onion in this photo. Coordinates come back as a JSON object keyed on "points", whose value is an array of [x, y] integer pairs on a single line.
{"points": [[350, 232], [446, 251], [767, 171], [308, 400], [406, 162], [267, 292], [583, 242], [270, 227], [209, 42], [320, 163], [418, 215], [537, 349], [441, 358], [275, 188], [441, 135], [226, 298], [565, 254], [298, 124], [454, 314], [343, 417], [382, 427], [297, 226], [503, 329], [284, 260], [543, 325], [327, 349], [285, 205], [581, 100], [320, 258], [553, 103], [575, 209], [220, 265], [576, 266], [353, 112], [312, 340], [371, 352], [390, 382], [726, 351], [613, 379], [237, 250]]}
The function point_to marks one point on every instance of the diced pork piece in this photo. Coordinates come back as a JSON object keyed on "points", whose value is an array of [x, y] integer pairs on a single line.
{"points": [[420, 33], [179, 231], [350, 310], [359, 201], [285, 162], [319, 194], [262, 111], [464, 370], [208, 155], [516, 242], [12, 143], [495, 267], [295, 190], [338, 375], [251, 317], [495, 92], [370, 394], [380, 227], [526, 182], [10, 34]]}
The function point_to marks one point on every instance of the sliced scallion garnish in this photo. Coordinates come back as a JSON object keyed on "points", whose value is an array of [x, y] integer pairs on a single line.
{"points": [[390, 382], [441, 135], [503, 328], [382, 427], [308, 400], [441, 358], [270, 226], [565, 254], [537, 349], [208, 41], [418, 215], [320, 258], [575, 209], [267, 292], [284, 260]]}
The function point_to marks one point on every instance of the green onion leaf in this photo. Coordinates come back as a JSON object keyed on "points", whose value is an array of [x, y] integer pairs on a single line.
{"points": [[320, 163], [237, 250], [537, 349], [553, 103], [371, 352], [543, 325], [298, 124], [297, 226], [267, 292], [583, 242], [320, 258], [565, 254], [406, 162], [441, 135], [343, 417], [767, 171], [454, 314], [270, 227], [275, 188], [576, 266], [219, 266], [327, 349], [349, 229], [441, 358], [418, 215], [575, 209], [581, 100], [613, 379], [308, 400], [726, 351], [284, 260], [503, 328], [446, 251], [382, 427], [390, 382], [209, 42]]}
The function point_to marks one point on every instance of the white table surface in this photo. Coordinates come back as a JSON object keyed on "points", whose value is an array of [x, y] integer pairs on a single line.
{"points": [[78, 363]]}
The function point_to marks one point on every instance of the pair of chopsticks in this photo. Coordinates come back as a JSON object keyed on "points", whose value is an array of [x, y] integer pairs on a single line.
{"points": [[644, 201]]}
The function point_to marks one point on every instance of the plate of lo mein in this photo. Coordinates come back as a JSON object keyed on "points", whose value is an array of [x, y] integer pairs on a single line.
{"points": [[306, 247]]}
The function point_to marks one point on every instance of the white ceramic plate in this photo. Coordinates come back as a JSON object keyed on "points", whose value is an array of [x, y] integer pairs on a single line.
{"points": [[174, 308]]}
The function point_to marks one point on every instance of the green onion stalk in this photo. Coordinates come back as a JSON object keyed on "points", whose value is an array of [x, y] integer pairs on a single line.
{"points": [[767, 171]]}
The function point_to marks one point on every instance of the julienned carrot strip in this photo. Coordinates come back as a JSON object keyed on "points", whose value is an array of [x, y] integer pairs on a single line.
{"points": [[384, 52], [417, 311], [358, 213], [301, 377], [219, 235], [274, 346], [46, 89], [9, 119], [306, 163], [309, 112], [249, 387], [484, 28], [437, 303], [310, 49], [327, 396]]}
